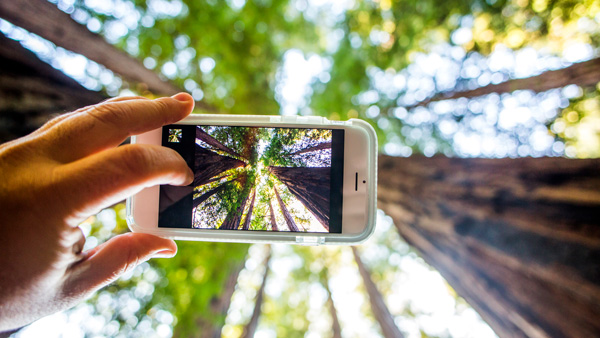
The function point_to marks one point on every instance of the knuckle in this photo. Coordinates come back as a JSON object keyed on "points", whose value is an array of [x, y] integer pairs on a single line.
{"points": [[137, 158]]}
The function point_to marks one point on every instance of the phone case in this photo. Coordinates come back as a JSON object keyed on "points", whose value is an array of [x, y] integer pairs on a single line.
{"points": [[301, 238]]}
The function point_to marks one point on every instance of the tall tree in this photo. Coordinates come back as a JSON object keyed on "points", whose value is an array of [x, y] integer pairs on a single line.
{"points": [[234, 215], [246, 225], [32, 91], [320, 146], [205, 137], [380, 310], [310, 186], [289, 219], [336, 328], [272, 217], [198, 200], [584, 74], [250, 328], [208, 164], [517, 238]]}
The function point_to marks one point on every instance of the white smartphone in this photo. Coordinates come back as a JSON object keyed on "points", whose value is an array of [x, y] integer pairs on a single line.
{"points": [[276, 179]]}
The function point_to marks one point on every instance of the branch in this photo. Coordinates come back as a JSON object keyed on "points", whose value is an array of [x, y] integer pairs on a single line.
{"points": [[584, 74]]}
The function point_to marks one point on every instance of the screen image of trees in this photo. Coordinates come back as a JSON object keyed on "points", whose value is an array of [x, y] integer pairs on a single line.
{"points": [[249, 178]]}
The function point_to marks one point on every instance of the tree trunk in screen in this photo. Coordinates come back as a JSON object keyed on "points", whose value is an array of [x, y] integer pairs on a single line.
{"points": [[250, 328], [209, 164], [310, 186], [519, 239], [234, 217], [289, 219], [246, 225], [380, 310], [200, 134], [320, 146], [272, 217]]}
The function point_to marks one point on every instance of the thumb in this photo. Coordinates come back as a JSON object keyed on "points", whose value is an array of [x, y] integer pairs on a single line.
{"points": [[108, 261]]}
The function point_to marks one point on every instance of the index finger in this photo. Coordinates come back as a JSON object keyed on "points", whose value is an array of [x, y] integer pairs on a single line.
{"points": [[108, 124]]}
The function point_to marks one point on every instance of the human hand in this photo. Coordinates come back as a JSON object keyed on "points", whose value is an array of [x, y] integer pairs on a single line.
{"points": [[64, 172]]}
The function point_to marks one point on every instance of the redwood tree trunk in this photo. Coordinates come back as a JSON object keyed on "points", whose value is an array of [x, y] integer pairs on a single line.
{"points": [[289, 220], [320, 146], [31, 91], [250, 328], [208, 164], [272, 218], [380, 310], [310, 186], [519, 239], [584, 74], [202, 135], [246, 225]]}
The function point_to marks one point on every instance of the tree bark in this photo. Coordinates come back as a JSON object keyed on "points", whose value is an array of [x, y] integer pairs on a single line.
{"points": [[519, 239], [200, 199], [250, 328], [202, 135], [584, 74], [49, 22], [320, 146], [289, 220], [336, 328], [233, 219], [310, 186], [209, 164], [246, 225], [273, 220], [219, 306], [31, 91], [380, 310]]}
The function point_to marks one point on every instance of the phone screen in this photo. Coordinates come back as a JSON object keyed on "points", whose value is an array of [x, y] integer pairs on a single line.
{"points": [[256, 179]]}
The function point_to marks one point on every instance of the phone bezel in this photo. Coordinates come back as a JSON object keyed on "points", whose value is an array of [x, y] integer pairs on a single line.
{"points": [[358, 211]]}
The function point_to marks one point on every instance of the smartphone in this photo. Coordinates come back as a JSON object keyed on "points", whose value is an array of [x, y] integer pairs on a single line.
{"points": [[276, 179]]}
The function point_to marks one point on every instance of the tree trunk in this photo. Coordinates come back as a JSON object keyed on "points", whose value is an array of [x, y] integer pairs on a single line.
{"points": [[584, 74], [202, 135], [320, 146], [289, 220], [49, 22], [31, 91], [336, 328], [310, 186], [273, 220], [233, 219], [246, 225], [219, 306], [200, 199], [519, 239], [209, 164], [250, 328], [380, 310]]}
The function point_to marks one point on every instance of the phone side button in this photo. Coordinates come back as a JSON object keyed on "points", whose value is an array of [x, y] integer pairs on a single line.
{"points": [[310, 240]]}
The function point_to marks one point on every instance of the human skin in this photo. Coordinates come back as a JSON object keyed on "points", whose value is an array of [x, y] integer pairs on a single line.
{"points": [[58, 176]]}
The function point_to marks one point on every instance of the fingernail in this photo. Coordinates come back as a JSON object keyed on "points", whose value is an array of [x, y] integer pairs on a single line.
{"points": [[183, 97], [164, 254], [190, 177]]}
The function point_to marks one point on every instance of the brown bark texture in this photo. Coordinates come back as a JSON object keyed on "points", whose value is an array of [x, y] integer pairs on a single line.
{"points": [[310, 186], [46, 20], [272, 217], [289, 220], [382, 314], [32, 91], [246, 225], [320, 146], [519, 239], [234, 217], [584, 74], [208, 164], [250, 328], [202, 135]]}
